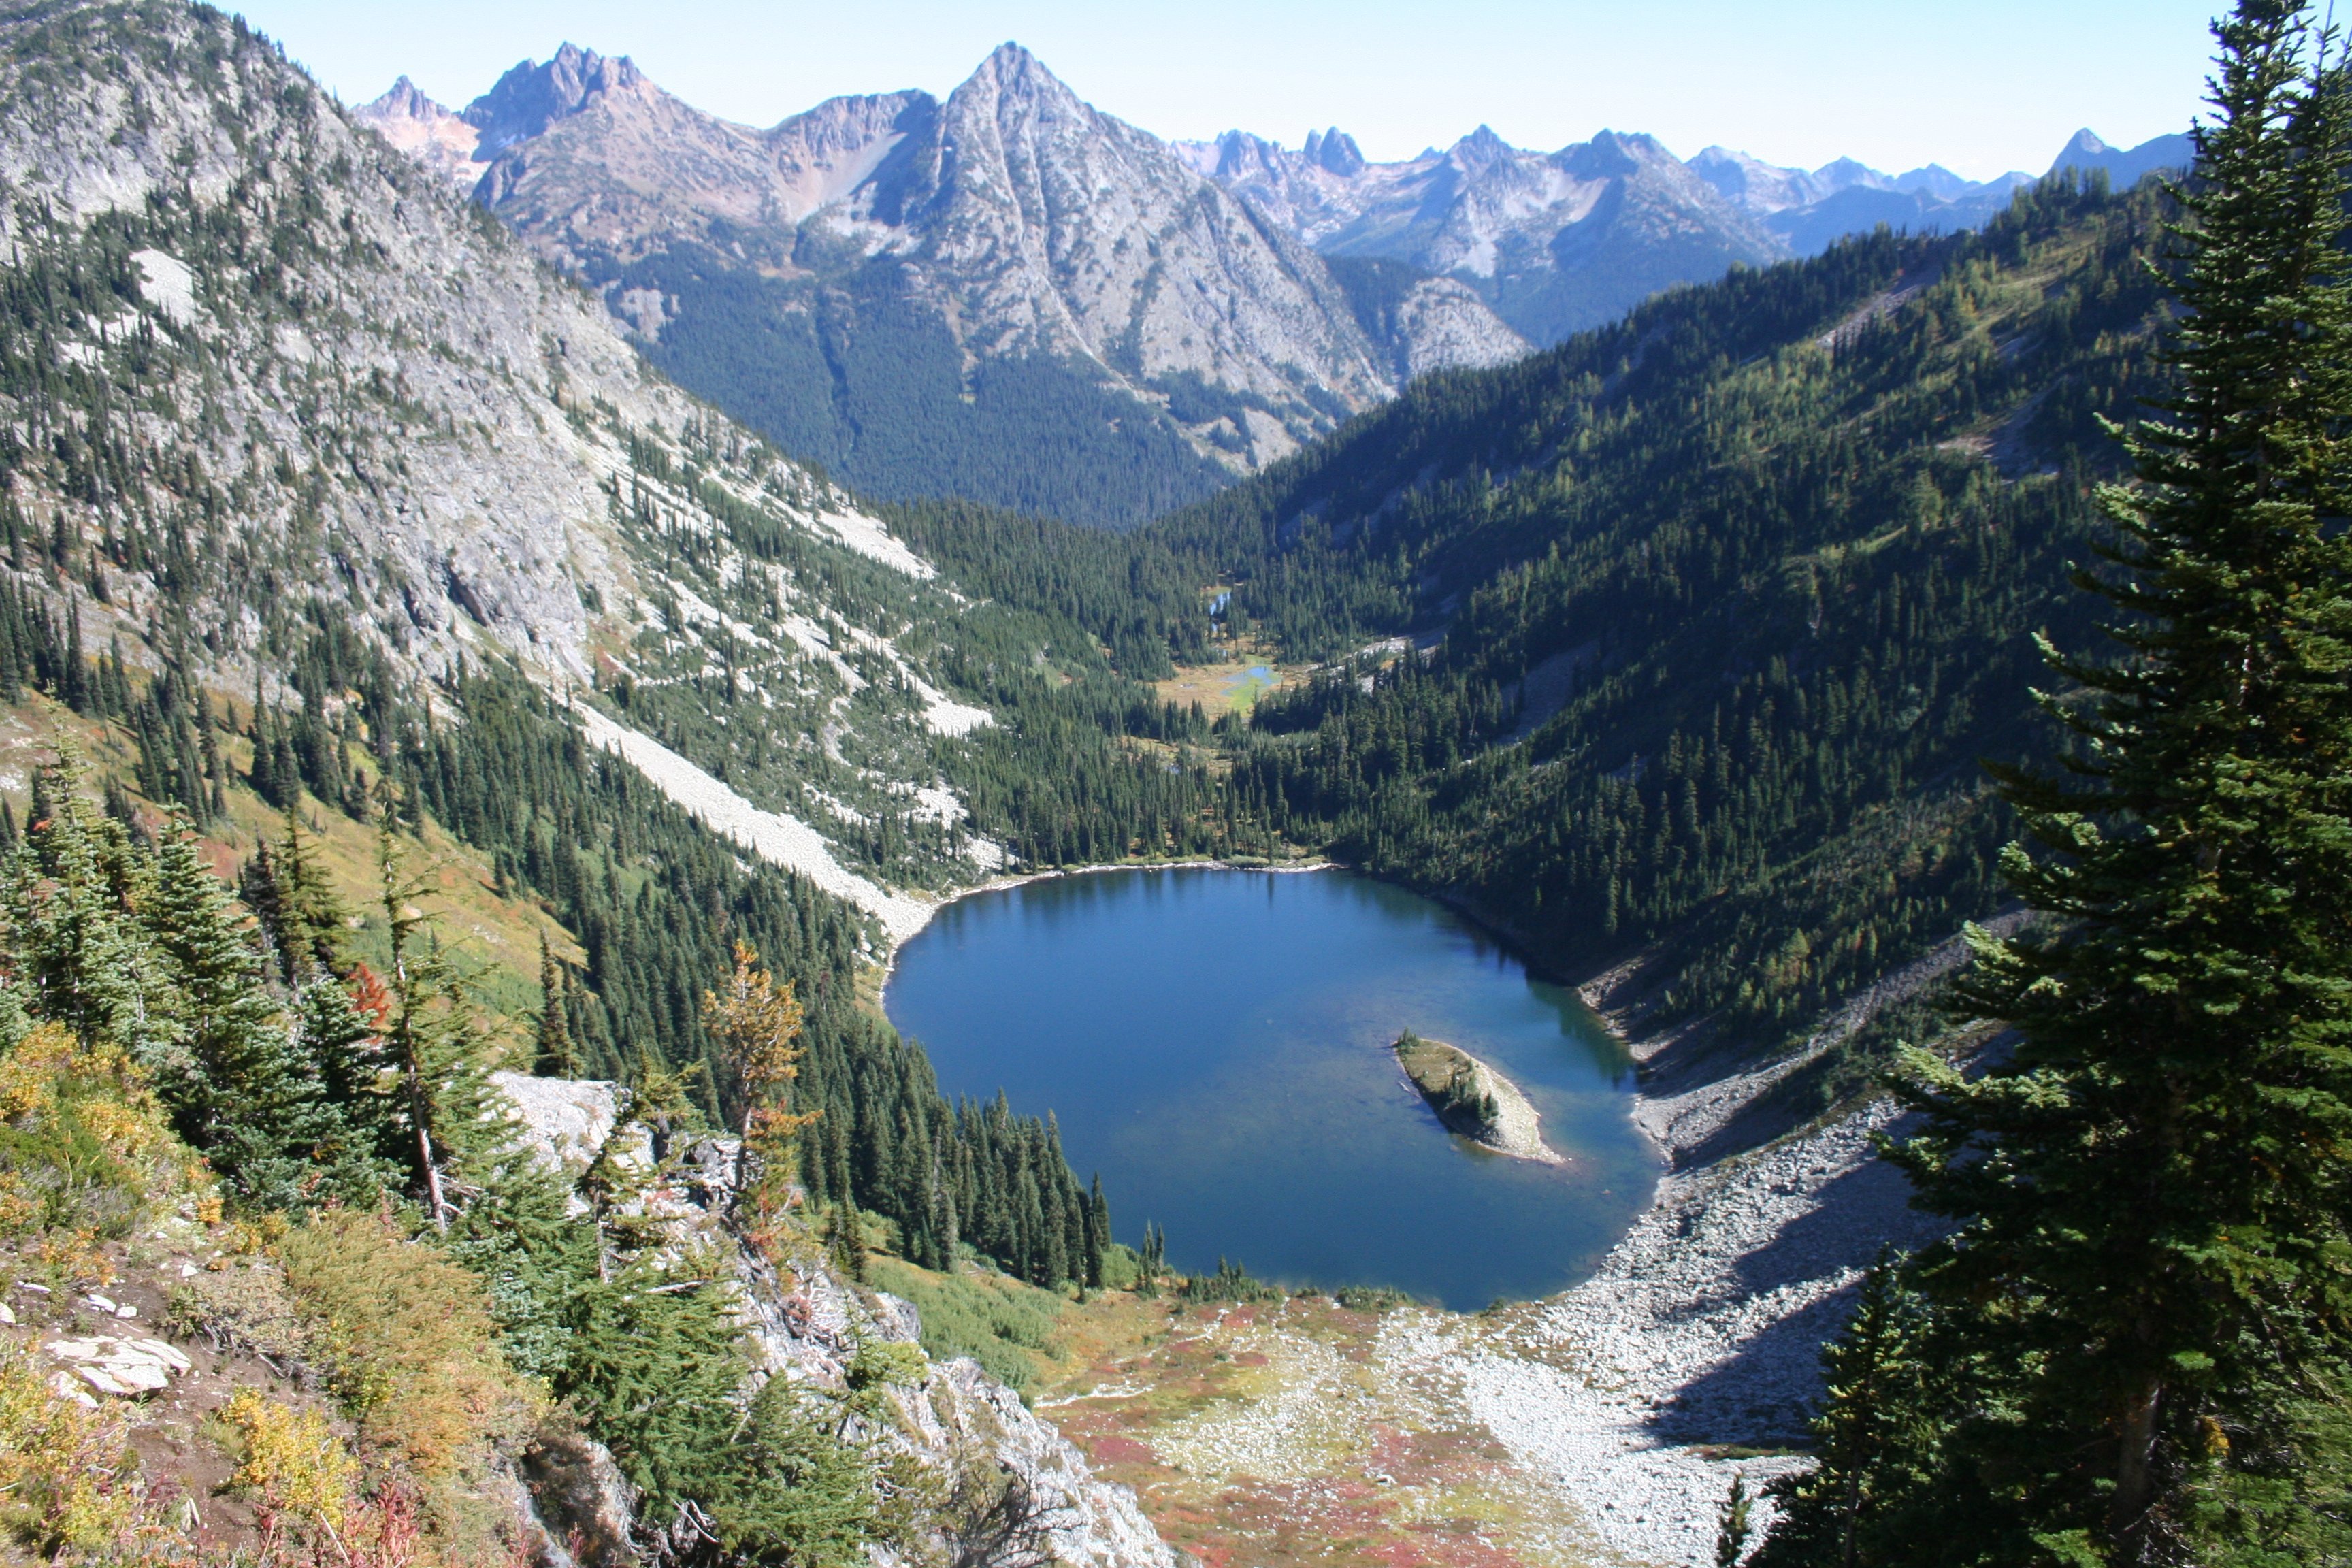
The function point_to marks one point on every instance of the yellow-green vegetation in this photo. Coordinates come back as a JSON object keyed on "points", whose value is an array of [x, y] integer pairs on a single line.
{"points": [[293, 1460], [85, 1149], [408, 1340], [66, 1470], [1230, 686], [1006, 1326]]}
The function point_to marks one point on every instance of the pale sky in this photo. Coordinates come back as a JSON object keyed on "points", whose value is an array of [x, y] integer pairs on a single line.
{"points": [[1980, 86]]}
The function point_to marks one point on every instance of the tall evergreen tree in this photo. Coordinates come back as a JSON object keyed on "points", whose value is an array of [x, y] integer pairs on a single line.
{"points": [[249, 1096], [451, 1136], [2149, 1274], [70, 893]]}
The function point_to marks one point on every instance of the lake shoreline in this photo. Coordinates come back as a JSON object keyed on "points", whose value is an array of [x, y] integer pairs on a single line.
{"points": [[934, 907], [1158, 1015], [1699, 1328]]}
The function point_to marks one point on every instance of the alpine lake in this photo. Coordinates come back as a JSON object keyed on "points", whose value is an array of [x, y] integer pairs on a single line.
{"points": [[1215, 1043]]}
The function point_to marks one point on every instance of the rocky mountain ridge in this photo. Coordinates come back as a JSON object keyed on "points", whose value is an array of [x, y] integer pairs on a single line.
{"points": [[1010, 225], [1556, 242], [301, 385]]}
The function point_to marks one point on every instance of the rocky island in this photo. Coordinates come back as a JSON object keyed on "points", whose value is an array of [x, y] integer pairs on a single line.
{"points": [[1474, 1099]]}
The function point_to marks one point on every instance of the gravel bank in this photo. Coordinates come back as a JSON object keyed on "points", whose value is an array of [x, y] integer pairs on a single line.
{"points": [[1702, 1329]]}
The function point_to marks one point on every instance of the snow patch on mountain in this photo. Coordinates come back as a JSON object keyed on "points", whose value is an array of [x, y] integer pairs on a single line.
{"points": [[780, 840]]}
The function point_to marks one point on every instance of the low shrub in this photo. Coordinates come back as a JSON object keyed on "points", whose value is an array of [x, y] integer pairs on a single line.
{"points": [[1370, 1297], [85, 1148], [406, 1339], [1004, 1325], [1231, 1282], [242, 1305], [293, 1462], [66, 1470]]}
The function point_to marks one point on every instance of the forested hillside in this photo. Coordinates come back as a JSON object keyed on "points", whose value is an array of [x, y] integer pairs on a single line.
{"points": [[331, 519], [1721, 606]]}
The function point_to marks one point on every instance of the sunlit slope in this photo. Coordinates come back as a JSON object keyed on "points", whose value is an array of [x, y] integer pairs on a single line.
{"points": [[1727, 602]]}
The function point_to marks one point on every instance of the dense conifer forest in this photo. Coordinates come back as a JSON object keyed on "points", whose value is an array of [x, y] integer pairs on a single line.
{"points": [[1711, 614], [2132, 1345], [849, 371]]}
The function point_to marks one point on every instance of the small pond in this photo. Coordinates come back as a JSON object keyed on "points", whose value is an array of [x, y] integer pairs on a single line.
{"points": [[1215, 1044]]}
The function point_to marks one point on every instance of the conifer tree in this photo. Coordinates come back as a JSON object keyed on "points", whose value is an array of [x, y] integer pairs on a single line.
{"points": [[554, 1056], [339, 1034], [1876, 1441], [1732, 1527], [246, 1095], [310, 916], [72, 890], [756, 1025], [2152, 1192], [451, 1133], [1097, 1232]]}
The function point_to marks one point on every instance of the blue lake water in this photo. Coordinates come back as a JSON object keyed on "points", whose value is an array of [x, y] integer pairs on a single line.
{"points": [[1215, 1044]]}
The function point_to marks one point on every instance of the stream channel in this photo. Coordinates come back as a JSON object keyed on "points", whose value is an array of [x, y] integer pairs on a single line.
{"points": [[1215, 1044]]}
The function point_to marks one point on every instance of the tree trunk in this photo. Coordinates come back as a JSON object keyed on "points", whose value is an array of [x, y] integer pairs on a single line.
{"points": [[2128, 1517]]}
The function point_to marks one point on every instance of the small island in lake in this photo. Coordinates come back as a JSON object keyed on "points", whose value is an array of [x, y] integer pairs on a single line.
{"points": [[1474, 1099]]}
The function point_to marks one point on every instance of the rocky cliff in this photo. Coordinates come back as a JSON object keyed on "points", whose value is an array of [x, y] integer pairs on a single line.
{"points": [[1006, 1485], [1010, 228], [267, 381]]}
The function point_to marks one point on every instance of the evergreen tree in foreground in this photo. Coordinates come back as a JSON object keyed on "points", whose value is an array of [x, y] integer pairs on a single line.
{"points": [[2141, 1320]]}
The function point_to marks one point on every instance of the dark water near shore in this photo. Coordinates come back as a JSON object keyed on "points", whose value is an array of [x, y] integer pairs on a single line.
{"points": [[1215, 1044]]}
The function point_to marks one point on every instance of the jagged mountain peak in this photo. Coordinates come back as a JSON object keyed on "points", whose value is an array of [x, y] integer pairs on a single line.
{"points": [[531, 96], [404, 99], [1839, 174], [1011, 222], [1481, 150], [1936, 180], [1611, 154], [1012, 62], [1017, 79], [1335, 151], [425, 130]]}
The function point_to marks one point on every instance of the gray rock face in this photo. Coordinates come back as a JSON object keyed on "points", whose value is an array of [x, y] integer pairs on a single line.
{"points": [[1013, 1489], [406, 426], [1553, 242], [1029, 222]]}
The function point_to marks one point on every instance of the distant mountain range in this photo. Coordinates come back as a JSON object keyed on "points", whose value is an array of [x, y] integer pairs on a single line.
{"points": [[1010, 296], [1556, 242]]}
